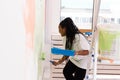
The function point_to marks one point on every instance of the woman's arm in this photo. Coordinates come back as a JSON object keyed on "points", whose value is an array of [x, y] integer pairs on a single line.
{"points": [[61, 60], [82, 52]]}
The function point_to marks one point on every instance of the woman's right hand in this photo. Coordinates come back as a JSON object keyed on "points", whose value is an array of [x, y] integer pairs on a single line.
{"points": [[55, 63]]}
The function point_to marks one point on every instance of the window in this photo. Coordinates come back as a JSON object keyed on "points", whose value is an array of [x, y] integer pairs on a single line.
{"points": [[112, 19], [80, 10], [118, 20], [109, 11], [77, 19], [61, 18]]}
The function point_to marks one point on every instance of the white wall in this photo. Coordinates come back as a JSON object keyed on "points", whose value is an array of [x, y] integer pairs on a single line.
{"points": [[52, 18], [39, 36], [15, 63], [12, 40]]}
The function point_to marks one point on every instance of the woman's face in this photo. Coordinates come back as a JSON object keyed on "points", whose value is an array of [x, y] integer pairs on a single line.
{"points": [[62, 31]]}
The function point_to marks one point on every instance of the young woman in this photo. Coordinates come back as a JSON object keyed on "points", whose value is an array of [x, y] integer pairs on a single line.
{"points": [[75, 69]]}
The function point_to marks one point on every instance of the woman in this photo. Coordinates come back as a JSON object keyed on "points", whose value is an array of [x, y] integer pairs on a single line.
{"points": [[75, 69]]}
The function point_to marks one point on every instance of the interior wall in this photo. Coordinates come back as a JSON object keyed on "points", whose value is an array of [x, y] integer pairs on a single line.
{"points": [[16, 42], [17, 21], [52, 18], [39, 36]]}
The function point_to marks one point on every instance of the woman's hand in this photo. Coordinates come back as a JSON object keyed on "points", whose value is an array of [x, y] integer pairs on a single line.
{"points": [[55, 63], [60, 61]]}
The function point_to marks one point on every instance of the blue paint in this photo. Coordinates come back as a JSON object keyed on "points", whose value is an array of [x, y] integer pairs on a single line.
{"points": [[59, 51]]}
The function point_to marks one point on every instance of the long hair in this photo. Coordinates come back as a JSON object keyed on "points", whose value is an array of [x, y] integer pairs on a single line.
{"points": [[71, 30]]}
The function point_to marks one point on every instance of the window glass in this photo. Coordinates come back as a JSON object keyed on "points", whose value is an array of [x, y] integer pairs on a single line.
{"points": [[109, 11], [79, 10]]}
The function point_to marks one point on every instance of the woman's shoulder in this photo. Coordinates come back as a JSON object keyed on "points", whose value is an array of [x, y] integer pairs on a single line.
{"points": [[81, 37], [78, 35]]}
